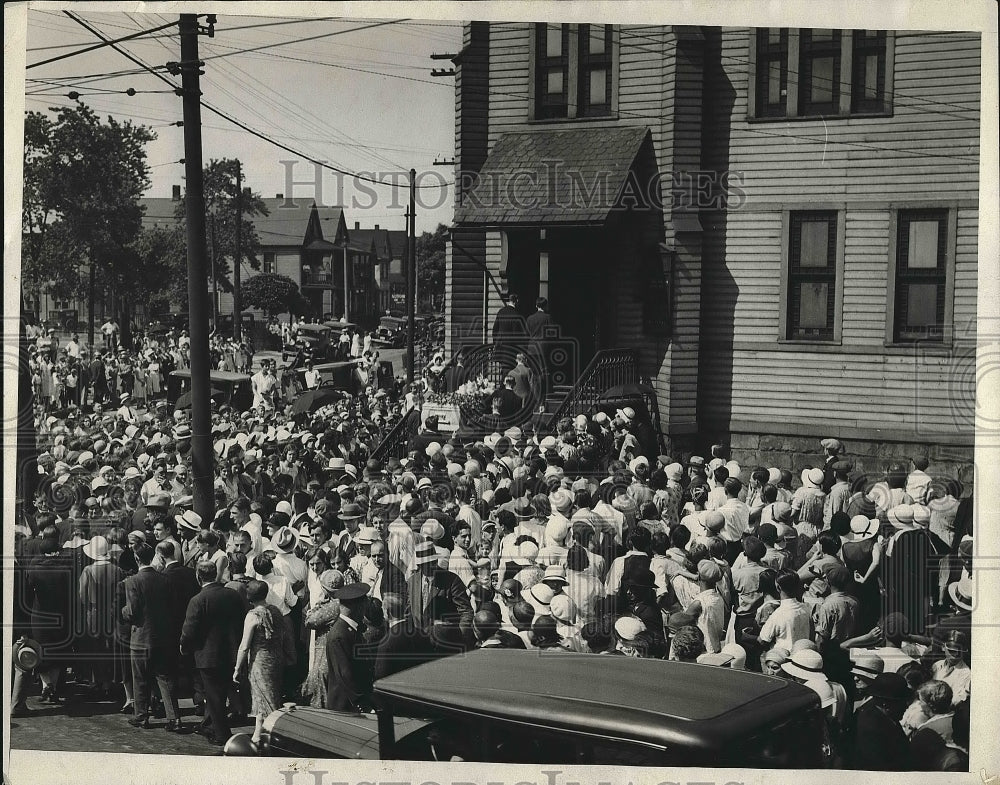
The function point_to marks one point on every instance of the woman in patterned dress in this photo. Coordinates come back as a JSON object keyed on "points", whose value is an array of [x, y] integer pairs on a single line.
{"points": [[264, 644]]}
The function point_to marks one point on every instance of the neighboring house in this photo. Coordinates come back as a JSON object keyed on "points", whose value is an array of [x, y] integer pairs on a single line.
{"points": [[309, 244], [782, 223], [387, 249]]}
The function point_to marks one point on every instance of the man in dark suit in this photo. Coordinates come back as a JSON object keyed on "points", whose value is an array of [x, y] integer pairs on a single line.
{"points": [[405, 644], [382, 575], [541, 328], [153, 640], [879, 743], [439, 603], [349, 678], [213, 628], [183, 584]]}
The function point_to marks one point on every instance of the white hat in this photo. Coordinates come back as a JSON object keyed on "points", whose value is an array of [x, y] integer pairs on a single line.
{"points": [[97, 548], [366, 535], [285, 507], [864, 527], [189, 519], [961, 591]]}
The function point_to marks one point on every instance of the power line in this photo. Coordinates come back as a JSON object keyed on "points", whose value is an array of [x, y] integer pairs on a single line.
{"points": [[100, 46], [239, 123], [300, 40]]}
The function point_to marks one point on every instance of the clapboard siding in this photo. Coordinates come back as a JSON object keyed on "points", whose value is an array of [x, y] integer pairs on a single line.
{"points": [[936, 84]]}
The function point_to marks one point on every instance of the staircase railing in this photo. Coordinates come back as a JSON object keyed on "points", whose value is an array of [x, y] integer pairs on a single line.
{"points": [[394, 444], [609, 368]]}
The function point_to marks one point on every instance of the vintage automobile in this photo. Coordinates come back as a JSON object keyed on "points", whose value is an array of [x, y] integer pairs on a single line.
{"points": [[315, 340], [508, 706], [227, 387], [391, 332]]}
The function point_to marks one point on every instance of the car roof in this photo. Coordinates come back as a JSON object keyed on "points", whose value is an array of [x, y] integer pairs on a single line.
{"points": [[651, 701], [215, 376], [318, 328]]}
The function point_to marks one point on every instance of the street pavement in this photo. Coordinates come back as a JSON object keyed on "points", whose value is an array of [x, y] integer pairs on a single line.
{"points": [[82, 726]]}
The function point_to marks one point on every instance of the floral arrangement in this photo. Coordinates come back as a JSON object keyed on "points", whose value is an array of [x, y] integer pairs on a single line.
{"points": [[473, 397]]}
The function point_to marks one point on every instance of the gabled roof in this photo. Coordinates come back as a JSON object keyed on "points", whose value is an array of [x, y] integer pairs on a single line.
{"points": [[376, 240], [553, 177], [290, 222]]}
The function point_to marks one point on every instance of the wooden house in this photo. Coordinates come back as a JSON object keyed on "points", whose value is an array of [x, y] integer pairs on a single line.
{"points": [[309, 244], [782, 223]]}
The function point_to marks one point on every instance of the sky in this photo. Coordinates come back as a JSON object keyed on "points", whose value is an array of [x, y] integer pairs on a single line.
{"points": [[359, 96]]}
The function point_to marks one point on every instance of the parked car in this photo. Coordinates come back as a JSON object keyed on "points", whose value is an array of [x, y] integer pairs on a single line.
{"points": [[228, 387], [317, 340], [507, 706], [391, 332]]}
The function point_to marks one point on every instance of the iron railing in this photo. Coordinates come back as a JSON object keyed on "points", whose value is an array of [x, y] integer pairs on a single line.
{"points": [[395, 442], [609, 368]]}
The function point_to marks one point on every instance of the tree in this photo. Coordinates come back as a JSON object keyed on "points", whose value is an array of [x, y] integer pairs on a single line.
{"points": [[272, 293], [430, 265], [220, 221], [83, 181]]}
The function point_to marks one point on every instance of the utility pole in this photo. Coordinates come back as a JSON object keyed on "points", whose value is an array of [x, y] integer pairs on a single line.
{"points": [[201, 414], [238, 260], [411, 277], [215, 278]]}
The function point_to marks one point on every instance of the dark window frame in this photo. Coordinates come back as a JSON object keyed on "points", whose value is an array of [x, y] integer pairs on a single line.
{"points": [[768, 53], [811, 50], [545, 106], [865, 46], [802, 51], [793, 274], [593, 62], [941, 276]]}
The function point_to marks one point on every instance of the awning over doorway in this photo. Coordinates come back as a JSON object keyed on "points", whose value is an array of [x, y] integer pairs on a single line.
{"points": [[541, 178]]}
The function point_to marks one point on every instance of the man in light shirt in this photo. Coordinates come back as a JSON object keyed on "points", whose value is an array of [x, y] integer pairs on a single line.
{"points": [[737, 516]]}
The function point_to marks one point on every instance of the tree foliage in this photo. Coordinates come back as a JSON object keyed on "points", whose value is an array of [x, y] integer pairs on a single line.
{"points": [[220, 220], [82, 182], [430, 264], [272, 293]]}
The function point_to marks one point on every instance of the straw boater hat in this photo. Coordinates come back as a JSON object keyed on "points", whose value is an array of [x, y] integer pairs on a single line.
{"points": [[804, 664], [189, 520], [425, 553], [961, 591], [864, 527]]}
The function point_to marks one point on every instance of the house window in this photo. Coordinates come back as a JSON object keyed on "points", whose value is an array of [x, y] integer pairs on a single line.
{"points": [[812, 276], [574, 71], [819, 73], [868, 72], [268, 261], [772, 72], [920, 285], [551, 70], [396, 267], [594, 84]]}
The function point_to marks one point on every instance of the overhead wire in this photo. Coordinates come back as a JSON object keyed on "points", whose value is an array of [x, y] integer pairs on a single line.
{"points": [[244, 126]]}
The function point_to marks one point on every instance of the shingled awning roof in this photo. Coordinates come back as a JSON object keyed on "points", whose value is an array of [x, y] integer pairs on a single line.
{"points": [[552, 177]]}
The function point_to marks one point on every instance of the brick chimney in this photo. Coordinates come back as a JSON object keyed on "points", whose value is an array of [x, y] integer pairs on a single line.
{"points": [[176, 193], [279, 196], [357, 225], [376, 227]]}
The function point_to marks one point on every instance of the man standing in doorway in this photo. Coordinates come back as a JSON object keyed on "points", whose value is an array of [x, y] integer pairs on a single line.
{"points": [[541, 326]]}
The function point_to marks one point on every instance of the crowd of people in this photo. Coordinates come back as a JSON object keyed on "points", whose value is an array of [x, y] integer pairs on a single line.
{"points": [[324, 569], [69, 374]]}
